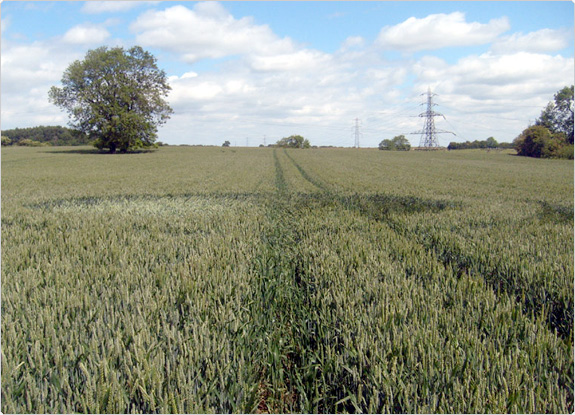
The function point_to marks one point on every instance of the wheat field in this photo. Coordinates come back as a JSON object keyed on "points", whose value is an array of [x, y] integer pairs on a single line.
{"points": [[192, 280]]}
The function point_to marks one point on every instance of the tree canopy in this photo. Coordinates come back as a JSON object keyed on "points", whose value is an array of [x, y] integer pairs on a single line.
{"points": [[538, 141], [557, 116], [49, 135], [116, 97], [490, 142], [552, 134], [294, 141], [398, 143]]}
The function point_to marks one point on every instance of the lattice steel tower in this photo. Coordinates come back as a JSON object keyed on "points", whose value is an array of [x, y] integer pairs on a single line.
{"points": [[429, 132], [356, 133]]}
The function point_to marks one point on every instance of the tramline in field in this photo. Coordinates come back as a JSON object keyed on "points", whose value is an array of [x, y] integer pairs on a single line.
{"points": [[192, 280]]}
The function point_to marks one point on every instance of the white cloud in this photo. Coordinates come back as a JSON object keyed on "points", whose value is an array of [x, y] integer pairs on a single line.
{"points": [[544, 40], [28, 72], [207, 31], [200, 90], [437, 31], [493, 94], [26, 66], [294, 61], [189, 75], [516, 75], [279, 83], [94, 7], [353, 42], [272, 85], [86, 34]]}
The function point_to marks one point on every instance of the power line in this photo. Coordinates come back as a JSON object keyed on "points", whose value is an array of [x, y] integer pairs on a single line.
{"points": [[356, 133], [429, 132]]}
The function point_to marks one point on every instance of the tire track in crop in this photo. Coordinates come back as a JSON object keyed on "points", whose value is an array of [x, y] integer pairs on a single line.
{"points": [[281, 184], [503, 278], [313, 180], [283, 308], [282, 311], [276, 302], [500, 277], [288, 299]]}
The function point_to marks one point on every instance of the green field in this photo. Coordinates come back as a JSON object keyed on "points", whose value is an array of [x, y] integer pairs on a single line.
{"points": [[270, 280]]}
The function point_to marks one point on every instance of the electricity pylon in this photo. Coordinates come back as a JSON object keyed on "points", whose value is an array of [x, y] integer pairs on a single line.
{"points": [[429, 132], [356, 133]]}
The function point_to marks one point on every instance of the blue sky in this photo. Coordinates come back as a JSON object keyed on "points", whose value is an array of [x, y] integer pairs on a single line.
{"points": [[244, 70]]}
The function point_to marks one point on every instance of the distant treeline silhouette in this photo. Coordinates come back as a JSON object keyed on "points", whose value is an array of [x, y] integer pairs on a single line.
{"points": [[489, 143], [51, 135]]}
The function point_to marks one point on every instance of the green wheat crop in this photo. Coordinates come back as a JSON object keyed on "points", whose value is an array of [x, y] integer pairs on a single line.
{"points": [[192, 280]]}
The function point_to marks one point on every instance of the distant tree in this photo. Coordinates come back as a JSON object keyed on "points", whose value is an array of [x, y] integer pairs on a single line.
{"points": [[491, 143], [6, 141], [52, 135], [538, 141], [226, 144], [557, 116], [116, 97], [31, 143], [398, 143], [401, 143], [488, 143], [505, 145], [294, 141], [386, 145]]}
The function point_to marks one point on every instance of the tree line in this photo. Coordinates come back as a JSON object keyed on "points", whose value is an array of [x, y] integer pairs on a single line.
{"points": [[116, 99], [44, 135], [397, 143], [293, 141], [489, 143], [552, 134]]}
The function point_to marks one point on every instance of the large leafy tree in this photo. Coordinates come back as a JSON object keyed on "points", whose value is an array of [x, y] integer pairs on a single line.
{"points": [[294, 141], [538, 141], [115, 96], [557, 117], [398, 143]]}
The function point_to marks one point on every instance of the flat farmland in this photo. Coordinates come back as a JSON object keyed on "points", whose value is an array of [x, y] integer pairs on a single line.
{"points": [[190, 280]]}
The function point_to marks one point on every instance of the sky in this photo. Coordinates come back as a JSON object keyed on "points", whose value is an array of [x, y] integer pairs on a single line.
{"points": [[254, 72]]}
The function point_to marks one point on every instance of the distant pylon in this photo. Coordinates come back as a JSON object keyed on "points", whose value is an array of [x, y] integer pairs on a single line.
{"points": [[429, 132], [356, 133]]}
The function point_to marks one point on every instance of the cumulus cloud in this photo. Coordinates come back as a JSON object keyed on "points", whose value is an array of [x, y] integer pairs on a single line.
{"points": [[353, 42], [492, 94], [517, 75], [294, 61], [86, 34], [271, 85], [27, 66], [544, 40], [28, 71], [206, 31], [94, 7], [437, 31]]}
